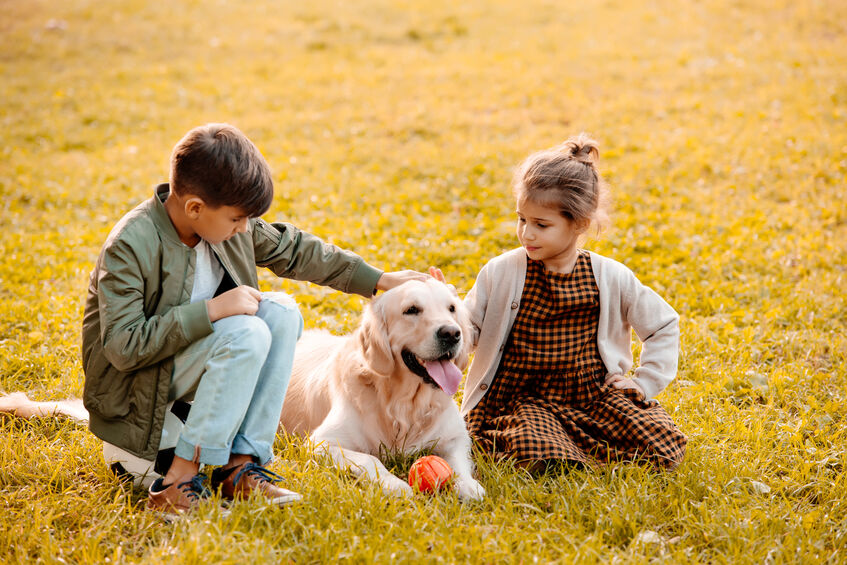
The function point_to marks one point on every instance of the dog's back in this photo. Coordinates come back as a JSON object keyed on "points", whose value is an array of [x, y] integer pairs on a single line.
{"points": [[307, 401]]}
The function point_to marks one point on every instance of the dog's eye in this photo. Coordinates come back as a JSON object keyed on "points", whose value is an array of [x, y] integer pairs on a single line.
{"points": [[452, 307], [412, 310]]}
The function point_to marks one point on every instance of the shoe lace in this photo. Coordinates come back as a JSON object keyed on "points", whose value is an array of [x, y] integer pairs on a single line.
{"points": [[256, 471], [196, 488]]}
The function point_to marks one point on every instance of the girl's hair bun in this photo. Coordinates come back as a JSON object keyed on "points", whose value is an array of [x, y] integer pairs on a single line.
{"points": [[565, 178], [581, 148]]}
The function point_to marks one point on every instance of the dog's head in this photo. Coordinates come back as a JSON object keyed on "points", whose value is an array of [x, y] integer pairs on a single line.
{"points": [[419, 326]]}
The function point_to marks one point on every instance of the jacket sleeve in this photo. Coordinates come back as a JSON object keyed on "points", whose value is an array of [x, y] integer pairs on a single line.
{"points": [[295, 254], [656, 324], [131, 340]]}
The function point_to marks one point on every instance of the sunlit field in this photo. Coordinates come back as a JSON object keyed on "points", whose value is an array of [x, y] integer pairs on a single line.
{"points": [[392, 129]]}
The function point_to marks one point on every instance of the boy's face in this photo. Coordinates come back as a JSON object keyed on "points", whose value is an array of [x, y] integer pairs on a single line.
{"points": [[217, 224]]}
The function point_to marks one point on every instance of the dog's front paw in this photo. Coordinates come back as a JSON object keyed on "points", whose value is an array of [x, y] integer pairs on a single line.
{"points": [[13, 401], [469, 489], [393, 486]]}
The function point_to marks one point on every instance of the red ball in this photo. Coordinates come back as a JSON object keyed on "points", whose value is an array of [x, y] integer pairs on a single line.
{"points": [[430, 473]]}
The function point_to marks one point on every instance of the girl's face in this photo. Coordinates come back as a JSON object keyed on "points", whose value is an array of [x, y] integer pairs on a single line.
{"points": [[547, 236]]}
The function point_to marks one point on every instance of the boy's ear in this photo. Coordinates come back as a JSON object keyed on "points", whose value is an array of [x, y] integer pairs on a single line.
{"points": [[193, 206], [582, 225]]}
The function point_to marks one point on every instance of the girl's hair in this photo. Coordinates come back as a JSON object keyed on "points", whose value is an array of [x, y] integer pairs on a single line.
{"points": [[566, 178]]}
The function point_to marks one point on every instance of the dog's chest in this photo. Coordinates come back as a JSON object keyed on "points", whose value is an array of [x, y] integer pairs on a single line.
{"points": [[405, 431]]}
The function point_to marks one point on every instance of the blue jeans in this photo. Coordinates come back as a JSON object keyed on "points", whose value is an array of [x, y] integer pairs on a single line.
{"points": [[237, 377]]}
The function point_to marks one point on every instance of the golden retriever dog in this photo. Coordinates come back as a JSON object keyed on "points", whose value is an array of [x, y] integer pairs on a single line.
{"points": [[388, 385]]}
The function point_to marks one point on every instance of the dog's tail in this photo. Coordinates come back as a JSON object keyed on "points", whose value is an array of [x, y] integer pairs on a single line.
{"points": [[19, 404]]}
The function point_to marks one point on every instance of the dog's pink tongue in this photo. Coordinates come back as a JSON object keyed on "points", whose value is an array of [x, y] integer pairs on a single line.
{"points": [[446, 374]]}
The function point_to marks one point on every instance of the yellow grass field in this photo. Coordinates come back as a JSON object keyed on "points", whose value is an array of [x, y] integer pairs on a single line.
{"points": [[392, 129]]}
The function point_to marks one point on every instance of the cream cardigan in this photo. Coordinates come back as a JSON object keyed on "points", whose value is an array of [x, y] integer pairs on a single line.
{"points": [[624, 303]]}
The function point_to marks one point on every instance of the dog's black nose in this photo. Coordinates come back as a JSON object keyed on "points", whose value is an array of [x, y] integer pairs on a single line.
{"points": [[449, 334]]}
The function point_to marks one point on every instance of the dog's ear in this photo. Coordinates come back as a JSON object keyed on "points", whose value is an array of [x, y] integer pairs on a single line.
{"points": [[373, 340]]}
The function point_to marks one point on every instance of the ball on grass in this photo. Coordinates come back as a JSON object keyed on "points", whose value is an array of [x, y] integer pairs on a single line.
{"points": [[429, 473]]}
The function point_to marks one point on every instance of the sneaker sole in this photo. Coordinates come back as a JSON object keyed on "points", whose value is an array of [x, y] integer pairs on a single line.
{"points": [[283, 500], [174, 516], [287, 499]]}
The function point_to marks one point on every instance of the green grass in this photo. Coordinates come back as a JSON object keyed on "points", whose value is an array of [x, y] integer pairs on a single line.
{"points": [[392, 129]]}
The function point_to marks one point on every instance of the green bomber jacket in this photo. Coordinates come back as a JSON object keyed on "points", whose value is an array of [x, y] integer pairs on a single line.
{"points": [[138, 316]]}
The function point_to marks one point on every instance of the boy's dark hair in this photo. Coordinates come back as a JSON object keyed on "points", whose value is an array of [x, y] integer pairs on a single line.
{"points": [[218, 164]]}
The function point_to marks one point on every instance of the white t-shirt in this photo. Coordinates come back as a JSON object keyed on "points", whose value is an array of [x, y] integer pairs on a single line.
{"points": [[208, 273]]}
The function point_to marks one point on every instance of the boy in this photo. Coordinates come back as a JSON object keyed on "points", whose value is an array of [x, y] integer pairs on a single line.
{"points": [[173, 313]]}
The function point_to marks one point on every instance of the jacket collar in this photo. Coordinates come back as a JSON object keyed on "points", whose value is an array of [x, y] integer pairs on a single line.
{"points": [[160, 215]]}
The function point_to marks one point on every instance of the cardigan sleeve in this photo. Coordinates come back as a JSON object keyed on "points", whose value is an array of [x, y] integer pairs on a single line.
{"points": [[656, 324], [476, 302]]}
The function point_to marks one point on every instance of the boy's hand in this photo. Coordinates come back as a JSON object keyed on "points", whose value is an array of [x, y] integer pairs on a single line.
{"points": [[619, 381], [240, 300], [389, 280]]}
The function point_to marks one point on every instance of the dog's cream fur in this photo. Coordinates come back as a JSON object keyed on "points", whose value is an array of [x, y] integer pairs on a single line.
{"points": [[355, 395]]}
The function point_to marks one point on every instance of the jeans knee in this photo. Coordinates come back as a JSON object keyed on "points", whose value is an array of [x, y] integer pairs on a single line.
{"points": [[249, 334], [284, 321], [299, 323]]}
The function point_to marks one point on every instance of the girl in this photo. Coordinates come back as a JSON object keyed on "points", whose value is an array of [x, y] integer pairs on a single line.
{"points": [[550, 381]]}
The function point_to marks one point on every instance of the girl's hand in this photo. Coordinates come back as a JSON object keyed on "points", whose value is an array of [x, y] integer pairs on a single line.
{"points": [[436, 273], [619, 381]]}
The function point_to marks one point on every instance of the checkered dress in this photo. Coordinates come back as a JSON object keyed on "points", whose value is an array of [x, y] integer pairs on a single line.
{"points": [[548, 400]]}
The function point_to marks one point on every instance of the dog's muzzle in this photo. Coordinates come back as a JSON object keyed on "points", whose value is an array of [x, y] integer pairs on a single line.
{"points": [[440, 371]]}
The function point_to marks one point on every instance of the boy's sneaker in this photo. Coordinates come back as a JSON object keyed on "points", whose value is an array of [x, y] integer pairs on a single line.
{"points": [[240, 481], [177, 498]]}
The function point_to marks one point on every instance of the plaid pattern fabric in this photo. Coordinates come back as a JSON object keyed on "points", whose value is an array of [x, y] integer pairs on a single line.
{"points": [[548, 400]]}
